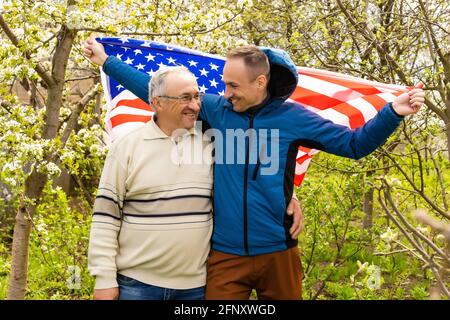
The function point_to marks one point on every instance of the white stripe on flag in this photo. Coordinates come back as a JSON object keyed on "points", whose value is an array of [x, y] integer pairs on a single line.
{"points": [[388, 97], [301, 168], [326, 88], [124, 95], [300, 154]]}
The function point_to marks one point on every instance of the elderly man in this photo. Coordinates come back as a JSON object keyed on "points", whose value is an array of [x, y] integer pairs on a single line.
{"points": [[251, 247]]}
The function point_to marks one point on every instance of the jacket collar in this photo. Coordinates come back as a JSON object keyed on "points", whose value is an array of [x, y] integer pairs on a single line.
{"points": [[258, 107]]}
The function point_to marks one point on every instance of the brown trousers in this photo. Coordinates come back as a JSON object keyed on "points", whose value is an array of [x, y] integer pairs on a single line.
{"points": [[275, 275]]}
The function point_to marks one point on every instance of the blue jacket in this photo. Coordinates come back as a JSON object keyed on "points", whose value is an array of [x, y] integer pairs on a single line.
{"points": [[250, 205]]}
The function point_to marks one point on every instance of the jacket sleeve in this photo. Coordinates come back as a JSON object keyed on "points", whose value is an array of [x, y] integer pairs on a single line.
{"points": [[106, 222], [131, 78], [313, 131]]}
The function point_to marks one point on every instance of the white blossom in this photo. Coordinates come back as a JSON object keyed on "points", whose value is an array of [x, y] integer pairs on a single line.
{"points": [[389, 235]]}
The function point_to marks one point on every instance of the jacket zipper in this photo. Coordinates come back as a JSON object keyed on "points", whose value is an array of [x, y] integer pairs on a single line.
{"points": [[258, 162], [247, 155]]}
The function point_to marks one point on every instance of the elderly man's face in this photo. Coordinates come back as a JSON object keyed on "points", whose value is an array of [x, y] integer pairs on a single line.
{"points": [[181, 103]]}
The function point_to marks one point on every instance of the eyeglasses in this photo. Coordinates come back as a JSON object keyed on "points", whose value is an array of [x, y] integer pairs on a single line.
{"points": [[186, 98]]}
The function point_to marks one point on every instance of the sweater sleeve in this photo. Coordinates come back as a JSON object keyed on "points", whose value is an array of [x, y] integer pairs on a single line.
{"points": [[318, 133], [106, 222]]}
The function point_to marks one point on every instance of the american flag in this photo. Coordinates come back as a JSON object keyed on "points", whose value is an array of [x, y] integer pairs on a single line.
{"points": [[343, 99]]}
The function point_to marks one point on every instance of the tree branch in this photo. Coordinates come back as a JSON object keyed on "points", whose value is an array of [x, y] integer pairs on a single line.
{"points": [[44, 74], [445, 62], [194, 32], [411, 229], [368, 35], [426, 258], [71, 123], [422, 194]]}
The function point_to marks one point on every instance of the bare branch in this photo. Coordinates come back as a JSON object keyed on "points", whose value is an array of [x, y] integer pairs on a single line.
{"points": [[422, 194], [369, 36], [411, 228], [445, 62], [426, 257], [438, 226], [95, 76], [440, 113], [441, 181], [392, 252]]}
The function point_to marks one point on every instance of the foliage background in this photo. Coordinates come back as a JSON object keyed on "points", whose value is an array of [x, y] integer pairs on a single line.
{"points": [[357, 244]]}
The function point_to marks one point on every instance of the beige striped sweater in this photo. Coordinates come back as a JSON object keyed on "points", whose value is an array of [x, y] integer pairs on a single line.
{"points": [[157, 192]]}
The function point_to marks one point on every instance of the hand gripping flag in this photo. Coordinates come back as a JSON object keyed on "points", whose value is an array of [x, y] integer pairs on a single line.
{"points": [[343, 99]]}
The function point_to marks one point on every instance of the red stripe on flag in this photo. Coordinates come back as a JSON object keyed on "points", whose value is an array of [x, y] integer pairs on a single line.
{"points": [[135, 103], [376, 101], [304, 149], [299, 178], [124, 118], [314, 99], [355, 117]]}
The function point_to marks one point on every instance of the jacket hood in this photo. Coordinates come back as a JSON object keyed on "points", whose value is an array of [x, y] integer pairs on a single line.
{"points": [[283, 73]]}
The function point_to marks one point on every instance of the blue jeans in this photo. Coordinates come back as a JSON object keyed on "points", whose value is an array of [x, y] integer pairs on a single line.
{"points": [[131, 289]]}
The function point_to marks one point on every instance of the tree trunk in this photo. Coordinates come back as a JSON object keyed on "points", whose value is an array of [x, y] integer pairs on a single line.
{"points": [[368, 203], [22, 229], [368, 210], [447, 130], [36, 181]]}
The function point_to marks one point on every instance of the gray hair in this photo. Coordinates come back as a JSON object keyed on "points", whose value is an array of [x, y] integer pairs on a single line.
{"points": [[157, 85]]}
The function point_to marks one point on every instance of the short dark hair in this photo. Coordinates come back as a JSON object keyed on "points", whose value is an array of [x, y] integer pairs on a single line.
{"points": [[254, 58]]}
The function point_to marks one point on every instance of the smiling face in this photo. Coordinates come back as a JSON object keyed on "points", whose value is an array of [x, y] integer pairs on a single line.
{"points": [[246, 76], [240, 89], [170, 107]]}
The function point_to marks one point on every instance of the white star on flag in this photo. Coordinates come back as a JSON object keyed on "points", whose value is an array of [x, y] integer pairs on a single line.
{"points": [[119, 56], [129, 61], [202, 88], [137, 51], [203, 72], [119, 87], [161, 65], [140, 66], [171, 60], [213, 83], [214, 67], [192, 63], [150, 57], [221, 93]]}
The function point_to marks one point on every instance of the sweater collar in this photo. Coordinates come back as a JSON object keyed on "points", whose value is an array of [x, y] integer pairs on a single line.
{"points": [[153, 131]]}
